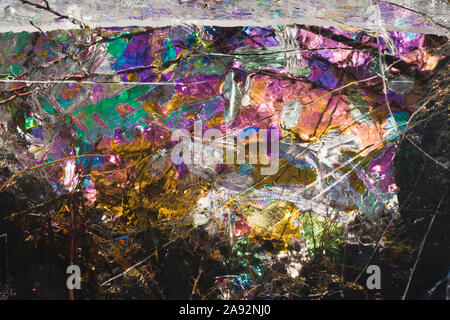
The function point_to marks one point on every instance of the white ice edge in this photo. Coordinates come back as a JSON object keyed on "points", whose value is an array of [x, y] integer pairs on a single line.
{"points": [[166, 22]]}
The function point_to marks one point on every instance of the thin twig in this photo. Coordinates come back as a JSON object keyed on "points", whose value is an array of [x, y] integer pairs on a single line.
{"points": [[421, 247], [7, 183]]}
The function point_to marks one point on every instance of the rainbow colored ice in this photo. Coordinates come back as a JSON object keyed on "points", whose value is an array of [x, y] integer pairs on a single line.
{"points": [[107, 101]]}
